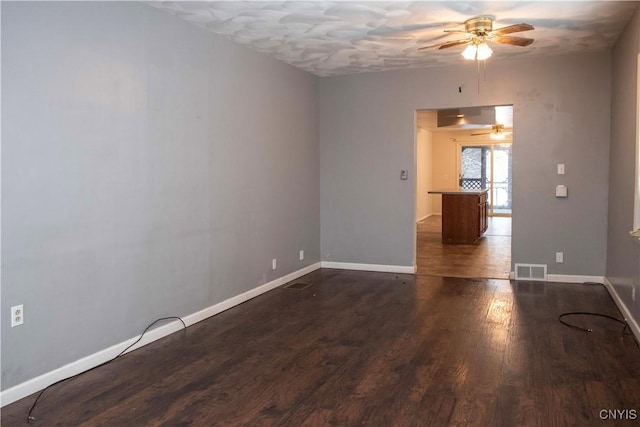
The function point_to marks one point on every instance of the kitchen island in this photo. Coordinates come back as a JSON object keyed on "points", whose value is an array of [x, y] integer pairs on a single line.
{"points": [[464, 215]]}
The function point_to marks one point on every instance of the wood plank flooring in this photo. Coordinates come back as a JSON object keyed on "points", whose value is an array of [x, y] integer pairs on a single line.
{"points": [[489, 258], [378, 349]]}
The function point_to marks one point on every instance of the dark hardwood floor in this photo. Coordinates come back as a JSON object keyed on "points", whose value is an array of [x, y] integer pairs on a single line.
{"points": [[490, 257], [378, 349]]}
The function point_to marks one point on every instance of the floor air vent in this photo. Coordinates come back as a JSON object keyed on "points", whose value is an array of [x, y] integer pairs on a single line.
{"points": [[531, 272], [298, 286]]}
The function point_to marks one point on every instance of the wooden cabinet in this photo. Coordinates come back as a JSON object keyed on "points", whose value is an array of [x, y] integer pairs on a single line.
{"points": [[483, 208], [464, 217]]}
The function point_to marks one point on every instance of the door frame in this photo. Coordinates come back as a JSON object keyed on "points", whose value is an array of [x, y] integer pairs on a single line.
{"points": [[414, 196]]}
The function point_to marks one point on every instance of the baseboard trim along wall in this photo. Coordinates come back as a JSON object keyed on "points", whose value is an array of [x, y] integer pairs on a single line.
{"points": [[408, 269], [633, 324], [572, 278], [428, 216], [566, 278], [38, 383]]}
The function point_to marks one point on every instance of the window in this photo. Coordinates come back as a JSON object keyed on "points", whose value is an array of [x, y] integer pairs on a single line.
{"points": [[636, 203]]}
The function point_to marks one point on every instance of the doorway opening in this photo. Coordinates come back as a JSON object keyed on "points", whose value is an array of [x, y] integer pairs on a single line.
{"points": [[464, 148]]}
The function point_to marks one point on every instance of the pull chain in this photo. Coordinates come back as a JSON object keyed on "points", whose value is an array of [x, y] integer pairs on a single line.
{"points": [[478, 75]]}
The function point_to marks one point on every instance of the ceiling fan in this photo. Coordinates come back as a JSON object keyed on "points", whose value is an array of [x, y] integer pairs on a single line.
{"points": [[479, 31], [497, 132]]}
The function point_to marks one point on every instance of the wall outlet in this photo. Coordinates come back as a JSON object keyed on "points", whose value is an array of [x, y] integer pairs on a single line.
{"points": [[301, 255], [274, 263], [559, 257], [17, 315]]}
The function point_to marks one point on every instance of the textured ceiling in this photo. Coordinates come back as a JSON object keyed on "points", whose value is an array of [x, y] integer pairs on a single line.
{"points": [[343, 37]]}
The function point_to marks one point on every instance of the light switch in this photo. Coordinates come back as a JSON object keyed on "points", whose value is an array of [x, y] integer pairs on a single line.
{"points": [[561, 191], [560, 168]]}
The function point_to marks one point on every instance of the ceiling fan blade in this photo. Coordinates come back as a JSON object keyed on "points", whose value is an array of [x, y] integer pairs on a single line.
{"points": [[446, 44], [513, 29], [516, 41], [483, 133], [455, 43]]}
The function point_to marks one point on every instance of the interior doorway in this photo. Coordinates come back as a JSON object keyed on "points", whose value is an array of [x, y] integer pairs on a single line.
{"points": [[464, 153]]}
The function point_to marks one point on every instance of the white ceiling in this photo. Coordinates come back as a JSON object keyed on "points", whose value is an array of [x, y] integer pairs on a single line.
{"points": [[343, 37]]}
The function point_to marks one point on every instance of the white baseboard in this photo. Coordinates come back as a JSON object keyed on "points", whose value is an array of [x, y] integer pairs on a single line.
{"points": [[33, 385], [409, 269], [566, 278], [246, 296], [633, 324], [428, 216], [572, 278]]}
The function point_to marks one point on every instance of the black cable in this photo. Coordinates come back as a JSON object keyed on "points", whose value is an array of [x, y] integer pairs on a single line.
{"points": [[623, 322], [32, 418], [606, 316]]}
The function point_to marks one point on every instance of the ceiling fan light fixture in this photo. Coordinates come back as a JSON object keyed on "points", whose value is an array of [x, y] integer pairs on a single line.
{"points": [[484, 51], [497, 135], [480, 29], [470, 52]]}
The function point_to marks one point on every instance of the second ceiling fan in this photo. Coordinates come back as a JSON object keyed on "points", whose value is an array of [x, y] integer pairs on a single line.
{"points": [[497, 132]]}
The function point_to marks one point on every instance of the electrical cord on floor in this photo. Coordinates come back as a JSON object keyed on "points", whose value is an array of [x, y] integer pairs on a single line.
{"points": [[606, 316], [31, 418]]}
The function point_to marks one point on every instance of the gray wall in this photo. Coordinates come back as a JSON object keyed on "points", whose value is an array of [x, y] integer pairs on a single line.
{"points": [[623, 254], [561, 115], [149, 169]]}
